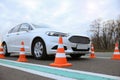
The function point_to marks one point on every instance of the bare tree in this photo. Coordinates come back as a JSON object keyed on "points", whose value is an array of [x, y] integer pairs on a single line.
{"points": [[105, 34], [95, 29], [108, 34], [118, 28]]}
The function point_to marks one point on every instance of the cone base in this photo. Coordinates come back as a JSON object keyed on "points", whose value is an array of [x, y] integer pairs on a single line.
{"points": [[116, 57], [22, 58], [2, 56], [60, 65], [92, 56]]}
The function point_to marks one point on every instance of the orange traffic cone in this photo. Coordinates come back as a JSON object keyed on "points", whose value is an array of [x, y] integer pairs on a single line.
{"points": [[22, 56], [60, 58], [116, 54], [92, 55], [1, 52]]}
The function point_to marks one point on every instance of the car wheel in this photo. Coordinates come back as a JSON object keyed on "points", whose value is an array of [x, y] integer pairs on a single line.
{"points": [[39, 49], [5, 50], [75, 56]]}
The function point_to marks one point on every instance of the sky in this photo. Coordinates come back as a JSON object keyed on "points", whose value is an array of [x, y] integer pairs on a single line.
{"points": [[73, 16]]}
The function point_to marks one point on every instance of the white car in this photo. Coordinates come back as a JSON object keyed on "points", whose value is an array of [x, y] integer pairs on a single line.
{"points": [[41, 41]]}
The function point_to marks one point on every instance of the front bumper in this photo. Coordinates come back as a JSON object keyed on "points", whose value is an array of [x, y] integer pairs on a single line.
{"points": [[70, 47], [71, 52]]}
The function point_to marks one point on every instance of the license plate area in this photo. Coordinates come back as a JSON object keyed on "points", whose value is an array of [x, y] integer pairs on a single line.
{"points": [[82, 46]]}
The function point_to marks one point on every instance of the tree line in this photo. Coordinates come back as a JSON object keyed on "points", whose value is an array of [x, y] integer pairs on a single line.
{"points": [[105, 33]]}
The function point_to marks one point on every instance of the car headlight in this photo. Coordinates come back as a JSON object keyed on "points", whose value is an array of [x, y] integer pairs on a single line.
{"points": [[52, 33]]}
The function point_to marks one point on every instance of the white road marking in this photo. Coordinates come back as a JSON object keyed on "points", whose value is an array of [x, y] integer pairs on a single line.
{"points": [[52, 76], [56, 76]]}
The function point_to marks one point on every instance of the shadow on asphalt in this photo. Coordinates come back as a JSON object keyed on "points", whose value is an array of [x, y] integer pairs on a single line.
{"points": [[50, 58]]}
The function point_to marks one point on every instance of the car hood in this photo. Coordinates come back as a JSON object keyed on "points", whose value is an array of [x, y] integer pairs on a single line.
{"points": [[47, 30]]}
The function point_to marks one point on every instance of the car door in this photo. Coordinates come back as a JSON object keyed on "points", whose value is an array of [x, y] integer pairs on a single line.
{"points": [[11, 39], [24, 34]]}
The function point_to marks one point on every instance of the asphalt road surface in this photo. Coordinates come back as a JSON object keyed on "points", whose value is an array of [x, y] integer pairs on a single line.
{"points": [[102, 64], [13, 74]]}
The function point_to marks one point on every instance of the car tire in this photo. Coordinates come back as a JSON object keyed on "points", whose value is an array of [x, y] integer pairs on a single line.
{"points": [[75, 56], [5, 49], [39, 49]]}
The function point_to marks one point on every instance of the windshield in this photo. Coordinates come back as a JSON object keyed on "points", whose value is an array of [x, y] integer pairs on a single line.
{"points": [[40, 26]]}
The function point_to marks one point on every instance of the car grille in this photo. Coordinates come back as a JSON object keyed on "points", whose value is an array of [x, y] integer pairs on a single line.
{"points": [[79, 39]]}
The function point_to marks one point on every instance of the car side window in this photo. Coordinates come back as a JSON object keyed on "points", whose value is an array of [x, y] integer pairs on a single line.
{"points": [[15, 29], [10, 31], [25, 27]]}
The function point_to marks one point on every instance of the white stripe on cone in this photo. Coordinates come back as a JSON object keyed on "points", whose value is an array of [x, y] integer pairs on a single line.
{"points": [[60, 46], [116, 53], [22, 52], [1, 52], [92, 52], [60, 55], [22, 46], [116, 48]]}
